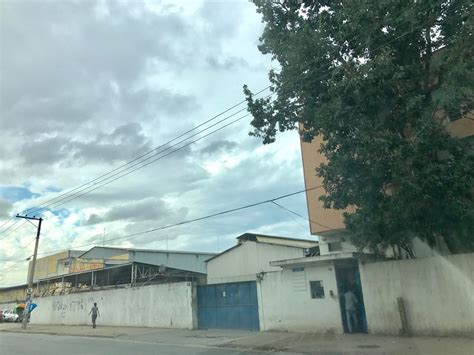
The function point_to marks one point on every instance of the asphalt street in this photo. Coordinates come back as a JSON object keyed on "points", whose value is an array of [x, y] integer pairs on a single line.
{"points": [[43, 344]]}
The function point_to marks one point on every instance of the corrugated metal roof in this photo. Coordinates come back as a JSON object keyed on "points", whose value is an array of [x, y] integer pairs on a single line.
{"points": [[284, 241], [270, 239], [297, 243], [149, 251]]}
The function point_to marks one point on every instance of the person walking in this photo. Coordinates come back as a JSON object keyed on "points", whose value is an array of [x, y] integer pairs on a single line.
{"points": [[94, 312], [350, 304]]}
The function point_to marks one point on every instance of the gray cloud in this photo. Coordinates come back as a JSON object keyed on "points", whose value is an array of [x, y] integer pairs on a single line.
{"points": [[219, 146], [5, 208], [86, 87], [229, 63], [67, 65], [45, 151], [124, 143], [149, 209]]}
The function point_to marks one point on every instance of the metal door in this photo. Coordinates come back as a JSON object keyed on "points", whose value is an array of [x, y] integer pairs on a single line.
{"points": [[228, 306]]}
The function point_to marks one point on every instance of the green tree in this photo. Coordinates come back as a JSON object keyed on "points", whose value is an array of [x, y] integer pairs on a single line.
{"points": [[378, 80]]}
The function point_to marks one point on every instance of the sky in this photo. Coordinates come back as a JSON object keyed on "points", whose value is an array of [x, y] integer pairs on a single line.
{"points": [[86, 86]]}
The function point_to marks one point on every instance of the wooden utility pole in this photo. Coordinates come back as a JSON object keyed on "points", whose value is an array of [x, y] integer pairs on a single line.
{"points": [[31, 273]]}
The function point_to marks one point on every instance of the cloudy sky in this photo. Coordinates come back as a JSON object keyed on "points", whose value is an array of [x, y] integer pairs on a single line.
{"points": [[87, 86]]}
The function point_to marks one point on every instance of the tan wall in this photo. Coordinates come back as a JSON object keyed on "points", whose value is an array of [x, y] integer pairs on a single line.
{"points": [[13, 294], [322, 220], [48, 266]]}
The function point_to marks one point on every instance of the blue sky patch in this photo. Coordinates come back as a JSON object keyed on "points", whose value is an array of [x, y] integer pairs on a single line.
{"points": [[16, 193]]}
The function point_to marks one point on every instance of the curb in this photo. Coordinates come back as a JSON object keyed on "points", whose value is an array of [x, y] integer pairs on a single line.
{"points": [[60, 334]]}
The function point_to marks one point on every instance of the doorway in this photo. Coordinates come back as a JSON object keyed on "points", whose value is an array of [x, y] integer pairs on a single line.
{"points": [[348, 279]]}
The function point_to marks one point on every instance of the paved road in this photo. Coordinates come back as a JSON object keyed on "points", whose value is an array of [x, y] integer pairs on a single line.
{"points": [[43, 344], [75, 340]]}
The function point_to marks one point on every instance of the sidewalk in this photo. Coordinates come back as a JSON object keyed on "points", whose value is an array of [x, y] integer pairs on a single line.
{"points": [[301, 343]]}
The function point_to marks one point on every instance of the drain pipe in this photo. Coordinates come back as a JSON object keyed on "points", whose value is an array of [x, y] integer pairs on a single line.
{"points": [[403, 317]]}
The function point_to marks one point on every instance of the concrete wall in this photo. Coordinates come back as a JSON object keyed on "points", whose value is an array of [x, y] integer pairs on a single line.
{"points": [[243, 262], [167, 306], [325, 240], [437, 291], [285, 301]]}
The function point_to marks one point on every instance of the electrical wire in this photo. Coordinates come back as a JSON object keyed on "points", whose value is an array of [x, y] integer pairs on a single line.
{"points": [[303, 217], [214, 117], [286, 213], [14, 230], [152, 150], [134, 235], [151, 162], [21, 250], [207, 121]]}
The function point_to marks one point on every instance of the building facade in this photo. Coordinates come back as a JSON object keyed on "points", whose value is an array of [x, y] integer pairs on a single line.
{"points": [[183, 260], [252, 255], [328, 224]]}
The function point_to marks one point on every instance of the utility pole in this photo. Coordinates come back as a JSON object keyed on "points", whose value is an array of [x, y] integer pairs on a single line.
{"points": [[31, 273]]}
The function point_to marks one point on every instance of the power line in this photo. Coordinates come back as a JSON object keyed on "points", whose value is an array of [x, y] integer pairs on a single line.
{"points": [[6, 222], [14, 230], [134, 235], [151, 162], [11, 226], [57, 198], [286, 213], [307, 219], [21, 250], [203, 123], [150, 151]]}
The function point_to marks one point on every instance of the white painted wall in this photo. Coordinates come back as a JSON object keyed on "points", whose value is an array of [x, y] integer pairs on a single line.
{"points": [[324, 241], [285, 301], [438, 293], [245, 261], [167, 306]]}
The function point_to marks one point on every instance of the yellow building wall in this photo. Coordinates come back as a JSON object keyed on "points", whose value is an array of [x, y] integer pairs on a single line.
{"points": [[48, 266], [13, 294]]}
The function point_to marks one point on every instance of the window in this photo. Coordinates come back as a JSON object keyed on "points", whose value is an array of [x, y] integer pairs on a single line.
{"points": [[317, 289], [335, 246]]}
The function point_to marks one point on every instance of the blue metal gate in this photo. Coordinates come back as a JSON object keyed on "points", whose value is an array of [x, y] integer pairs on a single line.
{"points": [[228, 306]]}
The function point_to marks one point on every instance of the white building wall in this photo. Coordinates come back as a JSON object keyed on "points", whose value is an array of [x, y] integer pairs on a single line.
{"points": [[166, 306], [285, 302], [325, 240], [245, 261], [437, 292]]}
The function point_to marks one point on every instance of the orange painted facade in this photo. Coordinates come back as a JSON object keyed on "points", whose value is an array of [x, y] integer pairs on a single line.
{"points": [[329, 221]]}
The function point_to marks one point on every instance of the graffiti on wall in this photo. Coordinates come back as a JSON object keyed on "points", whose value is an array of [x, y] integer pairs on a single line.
{"points": [[77, 305]]}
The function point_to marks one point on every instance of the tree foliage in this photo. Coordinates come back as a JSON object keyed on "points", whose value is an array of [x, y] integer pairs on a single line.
{"points": [[378, 80]]}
